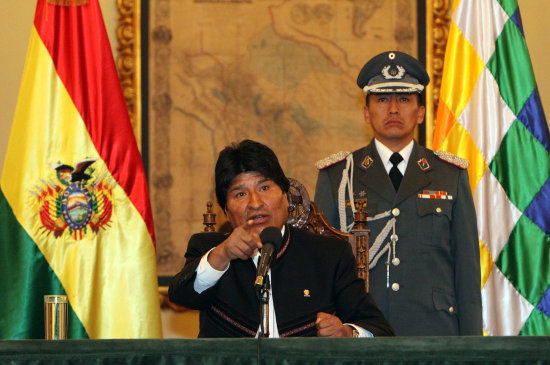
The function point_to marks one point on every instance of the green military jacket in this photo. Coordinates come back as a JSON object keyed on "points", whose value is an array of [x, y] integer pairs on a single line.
{"points": [[429, 282]]}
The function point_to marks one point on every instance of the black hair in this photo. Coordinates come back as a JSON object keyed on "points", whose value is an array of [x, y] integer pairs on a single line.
{"points": [[246, 156]]}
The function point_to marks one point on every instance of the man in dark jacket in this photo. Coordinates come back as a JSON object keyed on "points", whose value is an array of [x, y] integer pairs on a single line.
{"points": [[314, 286], [424, 251]]}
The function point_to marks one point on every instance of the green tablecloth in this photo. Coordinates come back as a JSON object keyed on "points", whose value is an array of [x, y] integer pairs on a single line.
{"points": [[452, 350]]}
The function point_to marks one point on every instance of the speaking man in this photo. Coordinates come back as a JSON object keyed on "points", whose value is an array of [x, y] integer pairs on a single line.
{"points": [[314, 286]]}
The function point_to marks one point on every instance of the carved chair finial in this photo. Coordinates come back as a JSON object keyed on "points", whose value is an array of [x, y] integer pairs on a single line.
{"points": [[209, 218]]}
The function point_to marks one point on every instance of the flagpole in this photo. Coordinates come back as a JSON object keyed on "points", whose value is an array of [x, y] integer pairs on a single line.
{"points": [[429, 122]]}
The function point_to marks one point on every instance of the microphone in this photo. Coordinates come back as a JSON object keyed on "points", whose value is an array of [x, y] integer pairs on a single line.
{"points": [[272, 241]]}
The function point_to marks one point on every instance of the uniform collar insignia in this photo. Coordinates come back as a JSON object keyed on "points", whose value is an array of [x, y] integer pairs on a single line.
{"points": [[367, 162], [423, 164]]}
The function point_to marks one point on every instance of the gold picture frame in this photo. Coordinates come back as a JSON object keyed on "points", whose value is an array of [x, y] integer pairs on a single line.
{"points": [[129, 60]]}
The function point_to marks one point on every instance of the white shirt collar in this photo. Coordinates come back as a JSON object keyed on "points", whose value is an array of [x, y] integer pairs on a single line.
{"points": [[385, 154]]}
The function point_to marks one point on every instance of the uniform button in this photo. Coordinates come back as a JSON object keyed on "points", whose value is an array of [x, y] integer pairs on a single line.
{"points": [[438, 209], [395, 286], [451, 309], [395, 212]]}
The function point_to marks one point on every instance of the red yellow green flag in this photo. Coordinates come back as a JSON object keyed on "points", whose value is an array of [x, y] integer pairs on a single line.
{"points": [[75, 216]]}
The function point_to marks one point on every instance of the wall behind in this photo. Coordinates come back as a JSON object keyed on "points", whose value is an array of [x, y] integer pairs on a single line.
{"points": [[534, 16]]}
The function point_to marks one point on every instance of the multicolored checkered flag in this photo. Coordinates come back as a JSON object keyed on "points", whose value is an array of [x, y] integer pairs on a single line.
{"points": [[490, 113]]}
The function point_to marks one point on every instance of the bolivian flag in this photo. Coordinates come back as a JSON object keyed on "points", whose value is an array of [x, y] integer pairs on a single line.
{"points": [[75, 216], [490, 113]]}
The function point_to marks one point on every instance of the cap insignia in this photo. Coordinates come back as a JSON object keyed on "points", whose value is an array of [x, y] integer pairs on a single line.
{"points": [[367, 162], [393, 73], [452, 159], [423, 164], [331, 160]]}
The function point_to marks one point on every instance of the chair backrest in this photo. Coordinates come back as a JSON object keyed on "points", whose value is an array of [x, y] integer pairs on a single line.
{"points": [[304, 214]]}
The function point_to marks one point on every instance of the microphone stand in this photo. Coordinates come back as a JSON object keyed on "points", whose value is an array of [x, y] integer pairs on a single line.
{"points": [[263, 296]]}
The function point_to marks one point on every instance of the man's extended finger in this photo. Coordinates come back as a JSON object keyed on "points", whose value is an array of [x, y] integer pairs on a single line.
{"points": [[254, 237]]}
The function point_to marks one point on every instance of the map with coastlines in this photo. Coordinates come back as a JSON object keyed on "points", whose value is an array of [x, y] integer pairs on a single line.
{"points": [[279, 72]]}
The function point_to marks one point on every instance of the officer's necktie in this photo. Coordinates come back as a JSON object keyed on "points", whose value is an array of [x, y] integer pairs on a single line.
{"points": [[395, 174]]}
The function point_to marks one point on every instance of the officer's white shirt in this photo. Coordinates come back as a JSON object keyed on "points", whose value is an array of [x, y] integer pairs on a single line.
{"points": [[207, 277], [385, 154]]}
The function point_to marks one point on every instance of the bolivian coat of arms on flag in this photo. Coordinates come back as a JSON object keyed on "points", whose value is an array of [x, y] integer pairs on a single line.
{"points": [[77, 201]]}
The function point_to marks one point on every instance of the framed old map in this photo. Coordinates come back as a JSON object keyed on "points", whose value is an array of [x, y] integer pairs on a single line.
{"points": [[201, 74]]}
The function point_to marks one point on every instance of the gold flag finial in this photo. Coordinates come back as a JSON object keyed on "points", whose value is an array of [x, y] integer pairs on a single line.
{"points": [[67, 2]]}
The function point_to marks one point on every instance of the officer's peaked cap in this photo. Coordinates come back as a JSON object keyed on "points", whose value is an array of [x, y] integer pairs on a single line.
{"points": [[393, 71]]}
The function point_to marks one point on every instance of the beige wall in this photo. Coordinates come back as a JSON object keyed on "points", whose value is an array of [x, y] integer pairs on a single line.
{"points": [[535, 26], [17, 17]]}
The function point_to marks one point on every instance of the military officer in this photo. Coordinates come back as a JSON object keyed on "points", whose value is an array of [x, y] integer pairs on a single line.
{"points": [[424, 252]]}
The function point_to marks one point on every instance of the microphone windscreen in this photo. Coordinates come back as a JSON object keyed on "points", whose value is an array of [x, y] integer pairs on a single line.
{"points": [[272, 235]]}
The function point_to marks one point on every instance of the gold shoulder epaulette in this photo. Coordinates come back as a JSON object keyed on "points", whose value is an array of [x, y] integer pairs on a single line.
{"points": [[331, 160], [452, 159]]}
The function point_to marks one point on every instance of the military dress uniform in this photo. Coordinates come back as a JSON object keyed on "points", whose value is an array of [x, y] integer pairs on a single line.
{"points": [[428, 282], [424, 268]]}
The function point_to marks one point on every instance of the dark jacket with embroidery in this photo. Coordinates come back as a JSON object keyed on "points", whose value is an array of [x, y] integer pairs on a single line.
{"points": [[313, 274], [438, 281]]}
